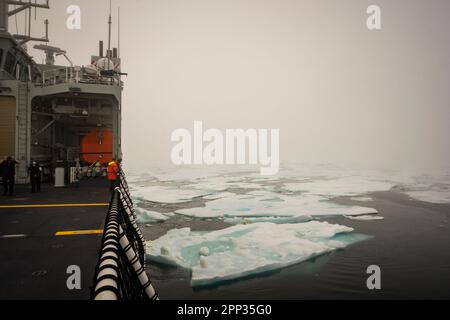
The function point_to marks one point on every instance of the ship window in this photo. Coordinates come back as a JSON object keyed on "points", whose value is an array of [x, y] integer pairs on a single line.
{"points": [[10, 63], [23, 71], [18, 70]]}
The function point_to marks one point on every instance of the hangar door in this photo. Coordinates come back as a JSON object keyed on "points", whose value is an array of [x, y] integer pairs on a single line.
{"points": [[7, 127]]}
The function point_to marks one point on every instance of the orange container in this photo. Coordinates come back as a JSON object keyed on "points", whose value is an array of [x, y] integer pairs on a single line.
{"points": [[97, 145]]}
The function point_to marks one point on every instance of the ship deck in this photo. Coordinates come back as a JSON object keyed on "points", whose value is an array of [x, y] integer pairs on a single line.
{"points": [[41, 234]]}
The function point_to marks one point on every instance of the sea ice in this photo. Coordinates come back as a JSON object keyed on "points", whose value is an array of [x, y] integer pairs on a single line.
{"points": [[367, 217], [246, 220], [221, 184], [344, 186], [165, 194], [219, 195], [244, 250], [148, 216], [433, 196], [427, 188], [269, 204], [190, 173], [361, 198]]}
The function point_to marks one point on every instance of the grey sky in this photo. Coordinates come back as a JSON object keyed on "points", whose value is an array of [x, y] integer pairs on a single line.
{"points": [[337, 91]]}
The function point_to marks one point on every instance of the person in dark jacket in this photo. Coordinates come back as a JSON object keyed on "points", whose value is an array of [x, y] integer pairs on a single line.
{"points": [[35, 177], [8, 172]]}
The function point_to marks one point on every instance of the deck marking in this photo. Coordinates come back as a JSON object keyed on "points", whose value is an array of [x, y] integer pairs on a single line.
{"points": [[9, 236], [100, 204], [78, 232]]}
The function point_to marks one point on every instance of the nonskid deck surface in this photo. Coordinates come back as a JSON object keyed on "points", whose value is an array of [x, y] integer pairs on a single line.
{"points": [[42, 234]]}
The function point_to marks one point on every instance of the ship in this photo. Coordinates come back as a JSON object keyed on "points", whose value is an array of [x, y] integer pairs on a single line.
{"points": [[67, 118], [59, 116]]}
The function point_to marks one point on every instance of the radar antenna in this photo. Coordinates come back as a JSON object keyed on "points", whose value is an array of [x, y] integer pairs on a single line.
{"points": [[50, 53]]}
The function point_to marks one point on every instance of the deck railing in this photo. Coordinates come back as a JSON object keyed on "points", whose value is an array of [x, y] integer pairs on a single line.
{"points": [[76, 75], [120, 272]]}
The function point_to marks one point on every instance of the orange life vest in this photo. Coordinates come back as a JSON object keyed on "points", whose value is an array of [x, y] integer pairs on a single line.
{"points": [[112, 170]]}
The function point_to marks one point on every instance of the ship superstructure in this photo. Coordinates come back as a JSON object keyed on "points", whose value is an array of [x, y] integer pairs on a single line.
{"points": [[60, 116]]}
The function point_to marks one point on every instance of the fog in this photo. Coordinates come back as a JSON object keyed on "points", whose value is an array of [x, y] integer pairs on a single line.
{"points": [[337, 92]]}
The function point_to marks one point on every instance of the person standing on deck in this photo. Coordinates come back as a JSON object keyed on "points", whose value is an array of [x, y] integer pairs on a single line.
{"points": [[8, 172], [97, 167], [35, 177], [113, 170]]}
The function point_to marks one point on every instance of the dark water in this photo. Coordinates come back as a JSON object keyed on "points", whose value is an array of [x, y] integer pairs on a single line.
{"points": [[411, 246]]}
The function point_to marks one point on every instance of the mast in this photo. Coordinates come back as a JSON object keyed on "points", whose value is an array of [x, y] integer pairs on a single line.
{"points": [[21, 5], [118, 32], [4, 15], [109, 35]]}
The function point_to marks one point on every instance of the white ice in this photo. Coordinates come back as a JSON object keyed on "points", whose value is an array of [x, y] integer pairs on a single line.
{"points": [[344, 186], [219, 195], [368, 217], [244, 250], [165, 194], [433, 196], [361, 198], [214, 184], [428, 188], [190, 173], [247, 220], [270, 204], [148, 216]]}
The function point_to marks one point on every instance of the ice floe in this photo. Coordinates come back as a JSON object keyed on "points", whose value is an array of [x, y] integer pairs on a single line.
{"points": [[190, 173], [246, 220], [344, 186], [433, 196], [367, 217], [269, 204], [361, 198], [165, 194], [427, 188], [148, 216], [221, 184], [244, 250], [219, 195]]}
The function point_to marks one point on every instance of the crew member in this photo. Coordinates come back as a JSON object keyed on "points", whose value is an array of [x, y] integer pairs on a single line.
{"points": [[113, 170], [8, 172], [35, 177], [97, 167]]}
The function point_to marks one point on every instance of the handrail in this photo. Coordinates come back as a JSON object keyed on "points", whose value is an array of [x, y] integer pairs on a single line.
{"points": [[76, 75], [120, 272]]}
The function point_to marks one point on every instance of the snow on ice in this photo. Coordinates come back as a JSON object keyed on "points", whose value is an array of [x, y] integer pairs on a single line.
{"points": [[244, 250]]}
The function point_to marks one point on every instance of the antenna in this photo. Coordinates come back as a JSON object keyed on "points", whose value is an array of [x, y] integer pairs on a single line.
{"points": [[109, 27], [21, 6], [108, 53], [118, 32], [29, 18]]}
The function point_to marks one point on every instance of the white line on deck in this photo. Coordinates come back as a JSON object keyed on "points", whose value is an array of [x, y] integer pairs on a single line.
{"points": [[9, 236]]}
